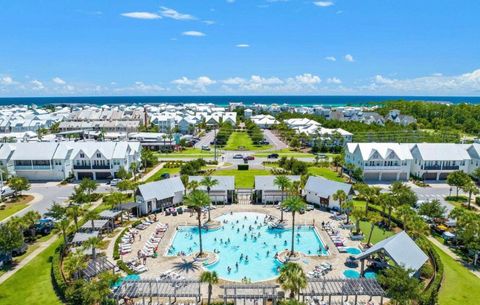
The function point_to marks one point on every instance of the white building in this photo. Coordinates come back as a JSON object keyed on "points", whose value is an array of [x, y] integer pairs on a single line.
{"points": [[266, 191], [380, 161], [45, 161], [264, 121], [319, 191], [158, 195], [223, 192]]}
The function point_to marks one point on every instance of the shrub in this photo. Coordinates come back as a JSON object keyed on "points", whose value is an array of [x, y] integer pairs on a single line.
{"points": [[116, 252], [242, 167], [477, 200], [430, 294], [121, 264], [58, 281]]}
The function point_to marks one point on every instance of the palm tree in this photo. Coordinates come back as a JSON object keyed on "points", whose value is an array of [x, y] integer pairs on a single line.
{"points": [[292, 278], [294, 204], [357, 214], [197, 200], [337, 161], [392, 204], [30, 219], [373, 219], [62, 225], [406, 214], [88, 185], [350, 167], [212, 279], [209, 182], [341, 197], [91, 215], [185, 179], [74, 211], [193, 185], [471, 189], [283, 183], [133, 168], [93, 243], [74, 263]]}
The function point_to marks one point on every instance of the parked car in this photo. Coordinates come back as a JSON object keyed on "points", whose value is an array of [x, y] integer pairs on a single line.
{"points": [[310, 207], [238, 156], [164, 176], [206, 147], [44, 226], [249, 157], [272, 156], [7, 192], [115, 181]]}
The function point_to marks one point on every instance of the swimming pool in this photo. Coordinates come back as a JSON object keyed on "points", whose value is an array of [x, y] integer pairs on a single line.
{"points": [[353, 250], [245, 235], [130, 277], [351, 274]]}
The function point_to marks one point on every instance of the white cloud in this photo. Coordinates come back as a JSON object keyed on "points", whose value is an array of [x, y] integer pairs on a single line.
{"points": [[308, 79], [173, 14], [37, 85], [209, 22], [57, 80], [141, 15], [234, 81], [467, 83], [7, 80], [349, 58], [334, 80], [198, 84], [193, 33], [323, 3], [243, 45], [330, 58]]}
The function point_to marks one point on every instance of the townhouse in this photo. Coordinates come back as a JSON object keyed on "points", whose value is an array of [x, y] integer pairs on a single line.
{"points": [[427, 161], [53, 161]]}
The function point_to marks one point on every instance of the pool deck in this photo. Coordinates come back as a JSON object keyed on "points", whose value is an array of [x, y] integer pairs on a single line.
{"points": [[188, 268]]}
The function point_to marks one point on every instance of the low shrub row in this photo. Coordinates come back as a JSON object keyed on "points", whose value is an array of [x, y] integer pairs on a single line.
{"points": [[173, 164], [59, 283], [430, 294], [242, 167], [121, 264], [116, 252]]}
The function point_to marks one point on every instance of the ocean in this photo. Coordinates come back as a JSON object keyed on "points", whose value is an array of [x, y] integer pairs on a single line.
{"points": [[334, 100]]}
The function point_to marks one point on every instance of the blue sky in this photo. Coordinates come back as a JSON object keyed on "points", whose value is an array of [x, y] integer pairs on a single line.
{"points": [[188, 47]]}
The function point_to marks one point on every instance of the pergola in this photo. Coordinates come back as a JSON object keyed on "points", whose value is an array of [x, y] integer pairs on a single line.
{"points": [[98, 265], [158, 288], [248, 292], [340, 287]]}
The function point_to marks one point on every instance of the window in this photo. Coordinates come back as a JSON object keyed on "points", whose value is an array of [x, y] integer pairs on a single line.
{"points": [[99, 155], [82, 155]]}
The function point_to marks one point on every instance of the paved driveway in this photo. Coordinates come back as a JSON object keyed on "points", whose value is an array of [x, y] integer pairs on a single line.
{"points": [[205, 140], [435, 191], [274, 140]]}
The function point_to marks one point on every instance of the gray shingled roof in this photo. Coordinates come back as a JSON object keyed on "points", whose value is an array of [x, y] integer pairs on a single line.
{"points": [[325, 188], [266, 182], [225, 183], [401, 249], [161, 189]]}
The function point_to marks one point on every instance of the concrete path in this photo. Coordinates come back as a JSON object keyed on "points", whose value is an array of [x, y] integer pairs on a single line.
{"points": [[453, 255], [152, 172], [274, 140], [44, 245]]}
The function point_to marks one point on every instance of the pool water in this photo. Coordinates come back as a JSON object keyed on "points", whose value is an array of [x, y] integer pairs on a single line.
{"points": [[130, 277], [246, 234], [370, 275], [351, 274], [353, 251]]}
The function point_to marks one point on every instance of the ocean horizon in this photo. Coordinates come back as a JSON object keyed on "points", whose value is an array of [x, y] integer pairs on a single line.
{"points": [[293, 100]]}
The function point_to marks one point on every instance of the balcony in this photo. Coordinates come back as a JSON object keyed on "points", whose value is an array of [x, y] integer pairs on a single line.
{"points": [[451, 167], [32, 167], [431, 167], [82, 167], [100, 166], [381, 167]]}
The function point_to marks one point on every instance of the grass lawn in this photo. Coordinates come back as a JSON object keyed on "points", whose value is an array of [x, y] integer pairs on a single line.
{"points": [[325, 172], [459, 285], [15, 206], [378, 234], [157, 175], [238, 139], [189, 152], [243, 179], [31, 284]]}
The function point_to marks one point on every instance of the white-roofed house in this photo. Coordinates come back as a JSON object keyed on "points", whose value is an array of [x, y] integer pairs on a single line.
{"points": [[380, 161], [223, 192], [267, 192], [434, 161], [158, 195], [319, 191]]}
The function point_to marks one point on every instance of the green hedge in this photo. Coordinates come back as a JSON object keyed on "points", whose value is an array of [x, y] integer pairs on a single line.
{"points": [[59, 283], [430, 295], [242, 167], [116, 253], [121, 264]]}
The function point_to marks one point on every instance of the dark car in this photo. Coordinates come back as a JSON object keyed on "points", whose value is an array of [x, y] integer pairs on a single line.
{"points": [[164, 176], [272, 156], [249, 158], [238, 156]]}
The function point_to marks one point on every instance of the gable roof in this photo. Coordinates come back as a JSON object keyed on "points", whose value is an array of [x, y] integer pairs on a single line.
{"points": [[325, 188], [367, 150], [161, 189], [40, 151], [225, 183], [401, 249], [266, 183], [441, 151]]}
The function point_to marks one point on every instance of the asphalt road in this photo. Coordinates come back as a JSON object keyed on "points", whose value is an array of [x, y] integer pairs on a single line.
{"points": [[205, 140], [274, 140]]}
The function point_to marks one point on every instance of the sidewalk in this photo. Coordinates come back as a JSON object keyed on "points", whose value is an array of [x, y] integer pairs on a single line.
{"points": [[453, 255], [152, 172]]}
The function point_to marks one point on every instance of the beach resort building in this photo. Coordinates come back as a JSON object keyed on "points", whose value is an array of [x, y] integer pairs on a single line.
{"points": [[159, 195], [221, 193], [266, 191], [319, 191]]}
